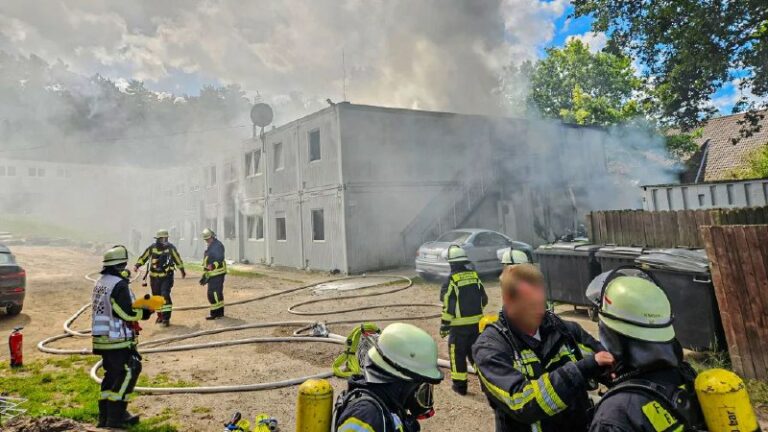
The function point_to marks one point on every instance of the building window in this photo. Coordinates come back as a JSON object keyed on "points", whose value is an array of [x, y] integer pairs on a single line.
{"points": [[684, 191], [669, 198], [748, 194], [253, 163], [713, 195], [11, 171], [314, 145], [701, 200], [229, 172], [318, 225], [32, 172], [210, 176], [255, 227], [729, 193], [278, 156], [280, 232], [655, 199], [229, 227]]}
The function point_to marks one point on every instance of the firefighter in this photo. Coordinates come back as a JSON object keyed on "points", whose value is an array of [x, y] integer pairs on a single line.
{"points": [[163, 260], [535, 368], [653, 387], [115, 331], [214, 269], [513, 256], [464, 298], [395, 390]]}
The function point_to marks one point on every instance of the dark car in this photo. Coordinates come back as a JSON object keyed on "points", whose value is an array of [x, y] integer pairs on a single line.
{"points": [[13, 283]]}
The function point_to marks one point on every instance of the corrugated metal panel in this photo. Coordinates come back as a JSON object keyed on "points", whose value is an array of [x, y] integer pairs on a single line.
{"points": [[285, 252], [325, 254], [745, 193]]}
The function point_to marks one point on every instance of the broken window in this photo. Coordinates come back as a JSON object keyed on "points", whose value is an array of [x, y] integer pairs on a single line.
{"points": [[314, 145], [278, 156], [280, 231], [252, 163], [318, 225], [255, 227]]}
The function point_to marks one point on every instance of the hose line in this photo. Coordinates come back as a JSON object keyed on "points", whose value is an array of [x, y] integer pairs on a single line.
{"points": [[304, 332]]}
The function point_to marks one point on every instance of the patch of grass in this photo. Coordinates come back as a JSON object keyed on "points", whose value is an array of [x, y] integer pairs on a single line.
{"points": [[201, 410], [61, 387], [162, 380]]}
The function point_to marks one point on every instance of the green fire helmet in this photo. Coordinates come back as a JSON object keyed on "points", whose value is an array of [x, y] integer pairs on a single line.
{"points": [[161, 233], [456, 254], [514, 256], [406, 352], [637, 308], [208, 233], [117, 255]]}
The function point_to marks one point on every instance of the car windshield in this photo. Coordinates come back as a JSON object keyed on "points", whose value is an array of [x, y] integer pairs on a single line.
{"points": [[454, 237], [6, 258]]}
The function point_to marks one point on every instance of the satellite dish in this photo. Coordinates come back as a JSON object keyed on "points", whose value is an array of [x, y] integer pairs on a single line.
{"points": [[261, 115]]}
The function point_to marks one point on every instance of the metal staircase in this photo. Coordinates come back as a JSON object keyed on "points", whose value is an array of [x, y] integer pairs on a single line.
{"points": [[449, 209]]}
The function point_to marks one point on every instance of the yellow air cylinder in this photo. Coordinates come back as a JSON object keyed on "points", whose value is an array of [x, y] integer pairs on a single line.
{"points": [[314, 407], [487, 319], [725, 402], [150, 302]]}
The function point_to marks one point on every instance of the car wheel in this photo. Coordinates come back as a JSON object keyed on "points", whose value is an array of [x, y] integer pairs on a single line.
{"points": [[14, 310]]}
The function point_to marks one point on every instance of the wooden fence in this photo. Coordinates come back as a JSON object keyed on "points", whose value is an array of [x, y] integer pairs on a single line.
{"points": [[738, 257], [665, 228]]}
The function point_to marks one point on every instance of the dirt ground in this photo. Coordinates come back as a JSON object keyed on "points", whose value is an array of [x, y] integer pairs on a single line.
{"points": [[57, 288]]}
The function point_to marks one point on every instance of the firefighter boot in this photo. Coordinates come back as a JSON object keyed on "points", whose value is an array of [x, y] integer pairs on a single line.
{"points": [[103, 412], [119, 417], [460, 387]]}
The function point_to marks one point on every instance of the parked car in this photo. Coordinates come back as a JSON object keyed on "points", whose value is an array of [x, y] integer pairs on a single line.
{"points": [[481, 246], [13, 283]]}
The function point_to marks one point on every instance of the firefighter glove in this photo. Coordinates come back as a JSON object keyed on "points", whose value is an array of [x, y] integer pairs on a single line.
{"points": [[445, 328]]}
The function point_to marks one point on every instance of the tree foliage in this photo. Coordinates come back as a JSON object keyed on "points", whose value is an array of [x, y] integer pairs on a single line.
{"points": [[48, 108], [584, 88], [691, 49], [756, 165]]}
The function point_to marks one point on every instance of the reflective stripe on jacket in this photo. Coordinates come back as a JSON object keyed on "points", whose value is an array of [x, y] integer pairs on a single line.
{"points": [[464, 298], [536, 385], [163, 259], [111, 325], [214, 256]]}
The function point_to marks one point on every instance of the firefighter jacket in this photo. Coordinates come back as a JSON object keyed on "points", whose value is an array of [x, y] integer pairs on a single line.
{"points": [[163, 259], [661, 400], [537, 384], [214, 257], [372, 408], [113, 316], [463, 297]]}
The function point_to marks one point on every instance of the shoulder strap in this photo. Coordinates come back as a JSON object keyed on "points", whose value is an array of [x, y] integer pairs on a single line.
{"points": [[359, 394], [566, 333]]}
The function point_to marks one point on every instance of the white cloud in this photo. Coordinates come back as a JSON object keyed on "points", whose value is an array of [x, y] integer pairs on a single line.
{"points": [[434, 54], [594, 40]]}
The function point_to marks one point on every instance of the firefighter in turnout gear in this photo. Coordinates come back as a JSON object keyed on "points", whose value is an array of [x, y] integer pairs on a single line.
{"points": [[535, 368], [163, 259], [395, 390], [115, 330], [214, 269], [464, 298], [653, 389]]}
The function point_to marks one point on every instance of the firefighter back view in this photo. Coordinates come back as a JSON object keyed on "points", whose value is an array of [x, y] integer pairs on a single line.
{"points": [[214, 269], [162, 259], [115, 331], [464, 298], [654, 388]]}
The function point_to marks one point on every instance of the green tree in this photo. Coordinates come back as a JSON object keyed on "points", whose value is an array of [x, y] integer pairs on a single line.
{"points": [[691, 49], [757, 165], [585, 88]]}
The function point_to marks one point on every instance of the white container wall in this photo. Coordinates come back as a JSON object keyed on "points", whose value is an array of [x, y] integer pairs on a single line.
{"points": [[744, 193], [322, 231]]}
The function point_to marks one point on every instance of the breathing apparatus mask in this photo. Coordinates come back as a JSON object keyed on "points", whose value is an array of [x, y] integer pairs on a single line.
{"points": [[418, 396], [421, 402]]}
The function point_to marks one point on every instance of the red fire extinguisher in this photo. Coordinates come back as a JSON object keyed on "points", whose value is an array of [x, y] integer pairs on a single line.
{"points": [[15, 344]]}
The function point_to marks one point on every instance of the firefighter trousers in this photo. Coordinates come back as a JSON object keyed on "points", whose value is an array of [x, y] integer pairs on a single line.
{"points": [[121, 371], [162, 286], [216, 295], [460, 341]]}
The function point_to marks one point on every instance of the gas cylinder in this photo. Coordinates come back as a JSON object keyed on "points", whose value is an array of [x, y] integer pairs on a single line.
{"points": [[315, 406], [486, 320], [15, 344], [724, 402]]}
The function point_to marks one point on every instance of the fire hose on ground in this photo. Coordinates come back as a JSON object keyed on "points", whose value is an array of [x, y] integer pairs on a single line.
{"points": [[300, 334]]}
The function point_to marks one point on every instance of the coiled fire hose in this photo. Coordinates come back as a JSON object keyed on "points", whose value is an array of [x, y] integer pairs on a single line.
{"points": [[153, 346]]}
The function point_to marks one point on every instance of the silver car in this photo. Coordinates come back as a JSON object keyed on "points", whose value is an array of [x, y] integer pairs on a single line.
{"points": [[482, 247]]}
